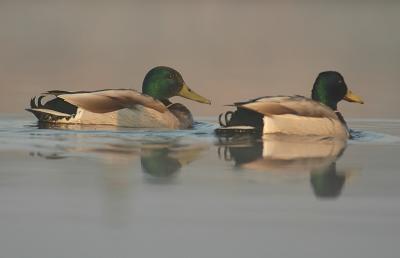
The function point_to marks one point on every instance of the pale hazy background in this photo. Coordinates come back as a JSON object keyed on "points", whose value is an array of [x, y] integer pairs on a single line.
{"points": [[225, 50]]}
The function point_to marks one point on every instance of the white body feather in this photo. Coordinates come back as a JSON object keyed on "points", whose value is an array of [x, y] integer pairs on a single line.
{"points": [[301, 125], [137, 117]]}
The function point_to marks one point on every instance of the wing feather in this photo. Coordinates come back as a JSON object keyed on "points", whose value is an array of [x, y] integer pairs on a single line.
{"points": [[104, 101], [295, 105]]}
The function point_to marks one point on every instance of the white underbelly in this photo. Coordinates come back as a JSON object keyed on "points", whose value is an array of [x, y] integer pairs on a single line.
{"points": [[300, 125], [138, 117]]}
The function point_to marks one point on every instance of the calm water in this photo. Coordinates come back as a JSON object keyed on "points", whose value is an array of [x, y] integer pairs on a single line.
{"points": [[117, 192]]}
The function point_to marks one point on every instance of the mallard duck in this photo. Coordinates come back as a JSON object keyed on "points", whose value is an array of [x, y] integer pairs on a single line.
{"points": [[123, 107], [294, 115]]}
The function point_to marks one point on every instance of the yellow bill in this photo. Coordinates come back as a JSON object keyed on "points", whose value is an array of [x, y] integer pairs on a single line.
{"points": [[351, 97], [188, 93]]}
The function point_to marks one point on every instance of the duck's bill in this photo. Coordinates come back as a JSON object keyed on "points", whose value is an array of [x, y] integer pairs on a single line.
{"points": [[188, 93], [351, 97]]}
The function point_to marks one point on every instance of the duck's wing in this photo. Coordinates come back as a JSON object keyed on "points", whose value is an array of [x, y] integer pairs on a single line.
{"points": [[104, 101], [281, 105]]}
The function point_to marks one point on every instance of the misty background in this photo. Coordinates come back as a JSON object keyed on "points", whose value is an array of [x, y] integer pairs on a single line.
{"points": [[225, 50]]}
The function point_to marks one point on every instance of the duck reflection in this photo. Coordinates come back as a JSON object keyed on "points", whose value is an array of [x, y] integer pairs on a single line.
{"points": [[327, 182], [289, 155], [160, 160], [158, 163], [163, 163]]}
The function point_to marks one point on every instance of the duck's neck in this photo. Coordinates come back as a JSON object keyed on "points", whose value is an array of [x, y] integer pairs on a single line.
{"points": [[166, 102], [341, 118], [332, 105], [326, 94], [322, 97]]}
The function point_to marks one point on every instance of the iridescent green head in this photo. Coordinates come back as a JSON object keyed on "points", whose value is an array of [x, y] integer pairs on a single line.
{"points": [[164, 82], [329, 88]]}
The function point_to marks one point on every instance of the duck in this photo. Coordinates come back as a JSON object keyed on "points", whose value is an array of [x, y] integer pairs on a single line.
{"points": [[294, 115], [122, 107]]}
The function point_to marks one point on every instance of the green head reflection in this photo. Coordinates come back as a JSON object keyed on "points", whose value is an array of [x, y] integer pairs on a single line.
{"points": [[327, 182], [159, 164]]}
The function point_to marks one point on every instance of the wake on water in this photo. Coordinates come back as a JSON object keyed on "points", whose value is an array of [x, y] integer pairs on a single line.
{"points": [[361, 136]]}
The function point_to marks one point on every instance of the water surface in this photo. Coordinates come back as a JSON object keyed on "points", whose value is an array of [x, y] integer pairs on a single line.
{"points": [[119, 192]]}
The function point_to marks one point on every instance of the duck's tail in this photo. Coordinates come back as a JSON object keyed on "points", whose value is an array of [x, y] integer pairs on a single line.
{"points": [[52, 110], [47, 115], [239, 122], [224, 119], [241, 117]]}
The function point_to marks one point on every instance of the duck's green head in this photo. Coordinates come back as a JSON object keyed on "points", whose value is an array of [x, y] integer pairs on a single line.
{"points": [[329, 88], [164, 82]]}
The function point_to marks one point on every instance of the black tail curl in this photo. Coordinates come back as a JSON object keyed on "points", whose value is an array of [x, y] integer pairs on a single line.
{"points": [[241, 117], [43, 110], [227, 116], [38, 103], [56, 104]]}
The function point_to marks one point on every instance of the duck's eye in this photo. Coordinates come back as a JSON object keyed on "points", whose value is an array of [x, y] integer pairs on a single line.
{"points": [[340, 81]]}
